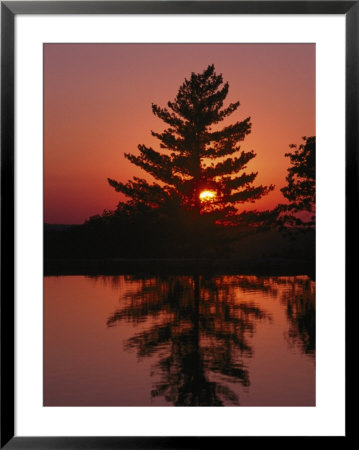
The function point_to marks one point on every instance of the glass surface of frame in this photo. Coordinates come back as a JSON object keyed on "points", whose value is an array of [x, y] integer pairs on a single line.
{"points": [[7, 168]]}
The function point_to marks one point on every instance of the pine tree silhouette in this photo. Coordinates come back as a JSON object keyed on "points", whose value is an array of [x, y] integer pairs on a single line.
{"points": [[199, 166]]}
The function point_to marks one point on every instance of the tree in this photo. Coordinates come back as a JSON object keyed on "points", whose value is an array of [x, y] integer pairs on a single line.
{"points": [[198, 167], [299, 214]]}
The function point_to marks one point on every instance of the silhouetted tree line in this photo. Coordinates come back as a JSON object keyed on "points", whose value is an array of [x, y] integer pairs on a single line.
{"points": [[191, 210]]}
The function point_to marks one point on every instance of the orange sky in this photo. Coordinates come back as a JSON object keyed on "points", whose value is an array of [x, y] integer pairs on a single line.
{"points": [[97, 106]]}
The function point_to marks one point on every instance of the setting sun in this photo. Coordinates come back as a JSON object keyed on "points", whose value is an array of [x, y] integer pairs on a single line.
{"points": [[207, 195]]}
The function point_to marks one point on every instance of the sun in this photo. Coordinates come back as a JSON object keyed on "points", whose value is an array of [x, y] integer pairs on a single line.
{"points": [[205, 196]]}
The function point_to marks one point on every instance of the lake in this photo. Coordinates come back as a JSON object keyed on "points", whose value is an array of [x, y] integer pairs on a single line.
{"points": [[132, 340]]}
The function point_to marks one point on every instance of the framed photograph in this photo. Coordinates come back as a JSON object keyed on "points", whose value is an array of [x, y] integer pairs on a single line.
{"points": [[174, 185]]}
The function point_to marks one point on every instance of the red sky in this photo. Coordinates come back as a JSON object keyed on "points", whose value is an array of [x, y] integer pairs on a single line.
{"points": [[97, 106]]}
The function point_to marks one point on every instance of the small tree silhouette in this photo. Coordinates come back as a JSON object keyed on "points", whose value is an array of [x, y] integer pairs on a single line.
{"points": [[199, 167], [299, 214]]}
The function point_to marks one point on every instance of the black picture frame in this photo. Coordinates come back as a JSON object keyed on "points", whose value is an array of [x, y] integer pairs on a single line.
{"points": [[9, 10]]}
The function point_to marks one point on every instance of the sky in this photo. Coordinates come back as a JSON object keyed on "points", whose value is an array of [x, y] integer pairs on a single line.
{"points": [[97, 106]]}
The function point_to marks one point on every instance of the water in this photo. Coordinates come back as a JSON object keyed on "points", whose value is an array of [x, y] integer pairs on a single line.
{"points": [[179, 341]]}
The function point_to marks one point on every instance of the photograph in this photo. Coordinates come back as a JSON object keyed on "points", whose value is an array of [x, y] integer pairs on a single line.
{"points": [[179, 224]]}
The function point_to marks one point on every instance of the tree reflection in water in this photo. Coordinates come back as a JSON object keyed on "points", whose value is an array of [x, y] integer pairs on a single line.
{"points": [[299, 301], [199, 329], [297, 294]]}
